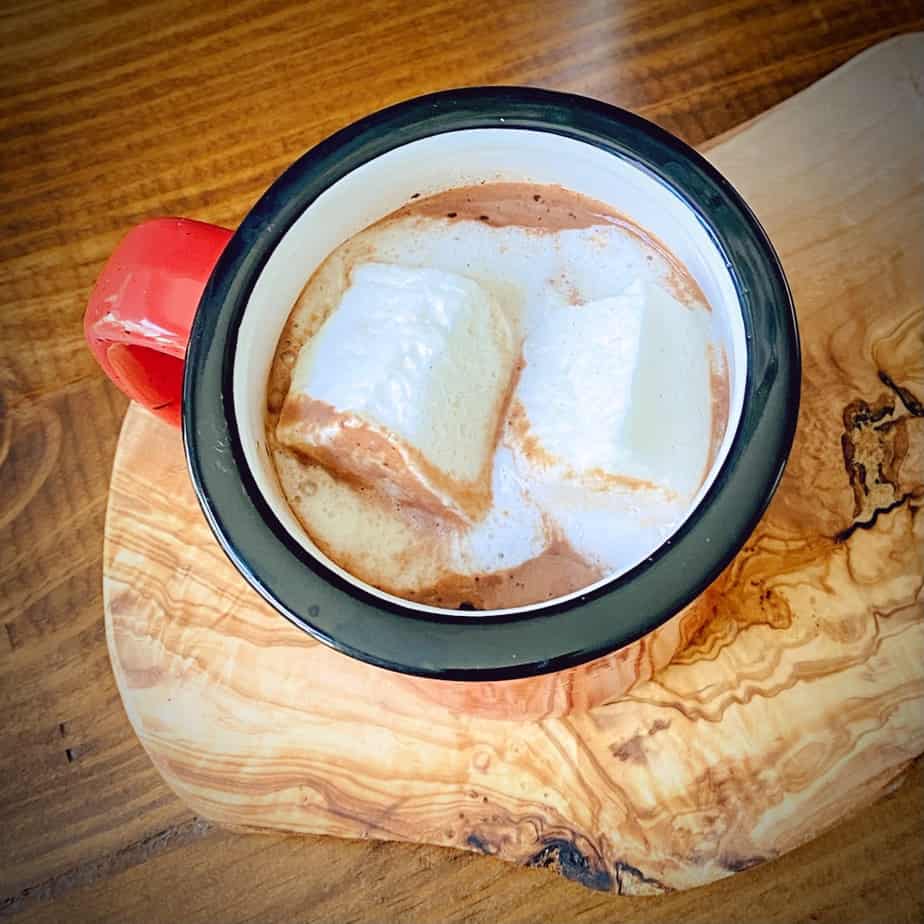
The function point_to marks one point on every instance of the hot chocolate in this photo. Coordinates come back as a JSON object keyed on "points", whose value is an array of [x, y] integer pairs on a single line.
{"points": [[495, 396]]}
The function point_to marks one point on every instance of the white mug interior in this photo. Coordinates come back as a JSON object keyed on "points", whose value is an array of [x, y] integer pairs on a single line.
{"points": [[432, 165]]}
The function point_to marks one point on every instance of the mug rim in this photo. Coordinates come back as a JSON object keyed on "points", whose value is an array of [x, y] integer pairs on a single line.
{"points": [[470, 646]]}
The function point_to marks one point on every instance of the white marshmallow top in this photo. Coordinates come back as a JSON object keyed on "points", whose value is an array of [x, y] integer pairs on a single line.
{"points": [[423, 354], [621, 386]]}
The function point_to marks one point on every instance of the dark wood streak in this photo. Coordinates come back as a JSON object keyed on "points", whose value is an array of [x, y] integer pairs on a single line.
{"points": [[912, 405], [844, 535], [565, 858]]}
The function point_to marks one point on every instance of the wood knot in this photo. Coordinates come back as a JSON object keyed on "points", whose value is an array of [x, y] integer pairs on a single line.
{"points": [[478, 843], [481, 761], [565, 858], [632, 750], [875, 444]]}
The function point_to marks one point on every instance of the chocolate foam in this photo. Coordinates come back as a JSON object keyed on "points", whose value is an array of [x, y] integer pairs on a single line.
{"points": [[556, 571], [547, 209]]}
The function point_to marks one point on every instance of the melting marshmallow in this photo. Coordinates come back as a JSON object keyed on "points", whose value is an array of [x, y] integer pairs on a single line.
{"points": [[402, 388], [617, 392]]}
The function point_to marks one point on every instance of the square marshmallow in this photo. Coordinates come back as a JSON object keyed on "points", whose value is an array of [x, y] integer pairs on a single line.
{"points": [[620, 387], [402, 387]]}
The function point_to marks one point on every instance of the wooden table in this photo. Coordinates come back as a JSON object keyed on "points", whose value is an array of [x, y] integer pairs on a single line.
{"points": [[113, 113]]}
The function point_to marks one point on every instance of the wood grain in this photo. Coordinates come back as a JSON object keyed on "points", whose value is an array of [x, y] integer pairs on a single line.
{"points": [[799, 698], [110, 114], [272, 878]]}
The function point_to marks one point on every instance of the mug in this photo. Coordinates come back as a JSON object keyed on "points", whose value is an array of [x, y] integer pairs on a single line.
{"points": [[185, 318]]}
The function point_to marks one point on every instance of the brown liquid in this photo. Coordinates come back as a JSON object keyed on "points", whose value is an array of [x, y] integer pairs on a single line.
{"points": [[524, 205], [545, 209], [424, 532], [556, 571]]}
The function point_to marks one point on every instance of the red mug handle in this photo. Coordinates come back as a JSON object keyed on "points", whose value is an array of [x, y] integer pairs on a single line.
{"points": [[142, 307]]}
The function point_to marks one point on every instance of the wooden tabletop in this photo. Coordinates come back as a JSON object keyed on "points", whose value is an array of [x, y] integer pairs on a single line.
{"points": [[112, 113]]}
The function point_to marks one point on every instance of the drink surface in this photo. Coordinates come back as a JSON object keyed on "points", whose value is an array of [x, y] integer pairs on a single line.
{"points": [[496, 396]]}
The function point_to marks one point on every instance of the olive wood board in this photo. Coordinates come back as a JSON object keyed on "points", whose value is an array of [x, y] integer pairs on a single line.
{"points": [[797, 698]]}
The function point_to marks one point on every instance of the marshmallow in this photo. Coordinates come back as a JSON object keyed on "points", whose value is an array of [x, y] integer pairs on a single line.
{"points": [[617, 392], [402, 388]]}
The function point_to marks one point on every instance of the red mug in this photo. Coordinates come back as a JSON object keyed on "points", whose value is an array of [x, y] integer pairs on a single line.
{"points": [[141, 310], [172, 322]]}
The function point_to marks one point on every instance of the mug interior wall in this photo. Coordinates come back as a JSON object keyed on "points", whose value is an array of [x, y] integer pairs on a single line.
{"points": [[432, 165]]}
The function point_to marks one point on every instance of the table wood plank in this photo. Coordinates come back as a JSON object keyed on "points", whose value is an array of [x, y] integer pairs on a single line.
{"points": [[840, 877], [111, 113]]}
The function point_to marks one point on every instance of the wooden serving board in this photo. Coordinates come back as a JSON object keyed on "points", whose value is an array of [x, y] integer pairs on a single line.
{"points": [[800, 698]]}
